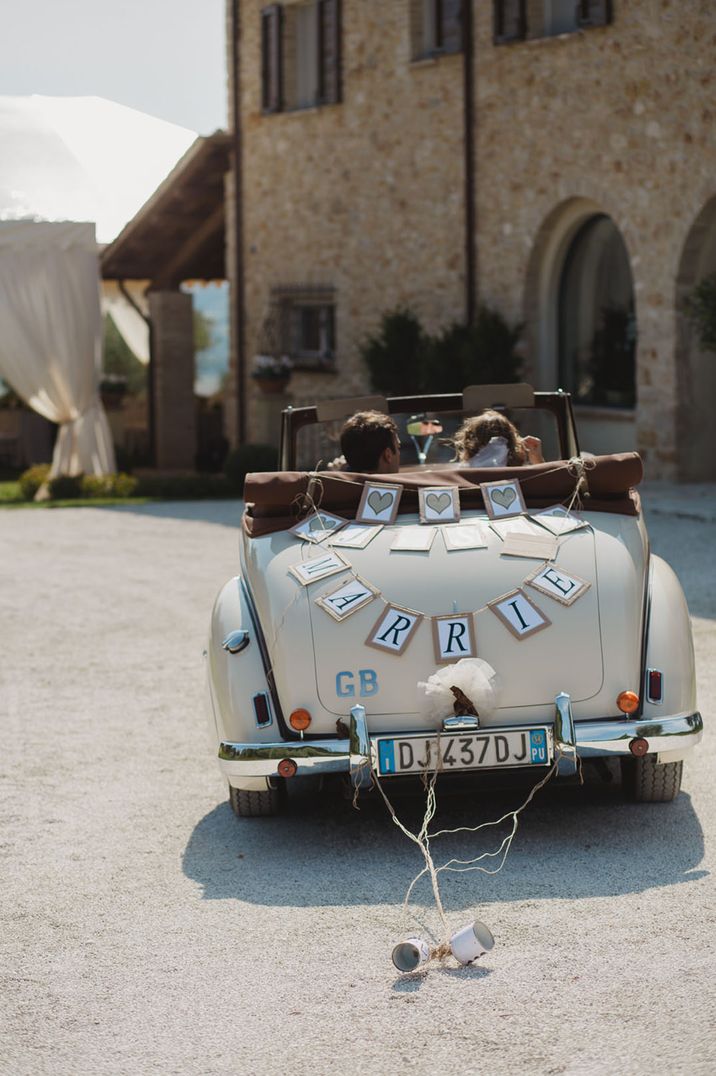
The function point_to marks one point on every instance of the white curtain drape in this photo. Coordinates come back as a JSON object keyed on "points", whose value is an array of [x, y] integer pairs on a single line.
{"points": [[50, 336], [133, 327]]}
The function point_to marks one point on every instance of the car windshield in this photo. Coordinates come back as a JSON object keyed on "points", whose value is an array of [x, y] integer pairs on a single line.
{"points": [[426, 438]]}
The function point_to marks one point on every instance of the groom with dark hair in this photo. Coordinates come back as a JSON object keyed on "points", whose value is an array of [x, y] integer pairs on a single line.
{"points": [[370, 443]]}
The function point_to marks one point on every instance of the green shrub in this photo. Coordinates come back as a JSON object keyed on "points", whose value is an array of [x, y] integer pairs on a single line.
{"points": [[403, 359], [245, 459], [31, 479], [396, 355], [479, 354], [96, 485], [66, 487], [108, 485], [124, 485], [183, 487]]}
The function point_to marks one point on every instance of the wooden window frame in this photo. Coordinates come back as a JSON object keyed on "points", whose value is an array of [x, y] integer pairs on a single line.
{"points": [[585, 21], [500, 37], [287, 298], [272, 59]]}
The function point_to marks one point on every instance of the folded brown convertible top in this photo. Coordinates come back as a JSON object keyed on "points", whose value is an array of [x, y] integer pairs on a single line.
{"points": [[274, 499]]}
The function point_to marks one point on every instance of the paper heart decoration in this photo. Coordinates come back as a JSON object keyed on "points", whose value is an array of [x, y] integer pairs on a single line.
{"points": [[438, 502], [319, 523], [379, 501], [503, 497]]}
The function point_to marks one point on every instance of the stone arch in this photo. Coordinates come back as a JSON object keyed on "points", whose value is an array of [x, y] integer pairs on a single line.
{"points": [[695, 368], [601, 430]]}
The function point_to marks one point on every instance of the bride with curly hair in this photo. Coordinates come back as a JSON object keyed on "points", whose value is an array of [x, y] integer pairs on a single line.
{"points": [[491, 440]]}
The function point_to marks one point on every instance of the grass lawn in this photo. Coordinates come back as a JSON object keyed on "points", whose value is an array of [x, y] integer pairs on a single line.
{"points": [[11, 497], [10, 493]]}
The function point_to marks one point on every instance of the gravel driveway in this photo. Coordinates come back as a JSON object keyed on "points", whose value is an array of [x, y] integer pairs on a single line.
{"points": [[146, 930]]}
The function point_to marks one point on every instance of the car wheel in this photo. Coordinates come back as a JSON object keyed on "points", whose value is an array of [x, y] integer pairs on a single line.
{"points": [[647, 781], [255, 804]]}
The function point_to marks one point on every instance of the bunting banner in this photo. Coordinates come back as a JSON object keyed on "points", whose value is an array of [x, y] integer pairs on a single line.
{"points": [[535, 536]]}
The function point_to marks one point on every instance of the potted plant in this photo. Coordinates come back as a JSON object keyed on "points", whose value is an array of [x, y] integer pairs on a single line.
{"points": [[272, 373]]}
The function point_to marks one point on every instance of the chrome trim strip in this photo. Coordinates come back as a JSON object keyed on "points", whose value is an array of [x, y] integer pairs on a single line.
{"points": [[594, 738], [461, 723]]}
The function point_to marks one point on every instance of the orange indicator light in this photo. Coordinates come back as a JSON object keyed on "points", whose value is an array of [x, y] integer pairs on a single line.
{"points": [[299, 720], [628, 702]]}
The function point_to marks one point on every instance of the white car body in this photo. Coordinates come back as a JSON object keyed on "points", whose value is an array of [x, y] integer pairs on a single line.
{"points": [[290, 654]]}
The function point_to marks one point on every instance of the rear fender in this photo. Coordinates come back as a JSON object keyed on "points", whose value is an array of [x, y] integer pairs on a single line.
{"points": [[669, 646], [236, 679]]}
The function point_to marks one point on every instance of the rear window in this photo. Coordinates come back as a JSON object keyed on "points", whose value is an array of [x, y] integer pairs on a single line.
{"points": [[318, 445]]}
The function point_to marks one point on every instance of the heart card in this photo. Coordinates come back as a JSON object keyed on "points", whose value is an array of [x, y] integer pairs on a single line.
{"points": [[439, 505], [318, 526], [503, 499], [379, 503], [559, 520]]}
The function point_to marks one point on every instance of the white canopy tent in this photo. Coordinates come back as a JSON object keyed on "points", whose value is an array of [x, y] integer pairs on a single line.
{"points": [[64, 162]]}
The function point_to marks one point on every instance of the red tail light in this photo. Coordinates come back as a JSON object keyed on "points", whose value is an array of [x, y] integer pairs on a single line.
{"points": [[654, 685]]}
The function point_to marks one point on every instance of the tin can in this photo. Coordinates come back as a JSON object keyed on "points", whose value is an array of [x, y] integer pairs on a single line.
{"points": [[471, 942], [411, 954]]}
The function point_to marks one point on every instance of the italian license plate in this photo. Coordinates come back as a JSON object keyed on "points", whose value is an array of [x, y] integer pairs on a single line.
{"points": [[486, 750]]}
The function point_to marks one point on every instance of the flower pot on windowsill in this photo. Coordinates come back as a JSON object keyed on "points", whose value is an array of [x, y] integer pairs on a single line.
{"points": [[272, 386]]}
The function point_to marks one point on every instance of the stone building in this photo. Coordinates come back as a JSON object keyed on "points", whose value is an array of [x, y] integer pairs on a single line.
{"points": [[553, 159]]}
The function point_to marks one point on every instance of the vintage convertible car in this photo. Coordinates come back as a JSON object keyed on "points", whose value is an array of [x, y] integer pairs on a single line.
{"points": [[538, 576]]}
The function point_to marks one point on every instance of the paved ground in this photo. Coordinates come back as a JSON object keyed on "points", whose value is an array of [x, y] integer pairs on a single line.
{"points": [[145, 930]]}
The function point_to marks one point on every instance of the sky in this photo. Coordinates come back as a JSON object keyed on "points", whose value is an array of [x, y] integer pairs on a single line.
{"points": [[163, 57]]}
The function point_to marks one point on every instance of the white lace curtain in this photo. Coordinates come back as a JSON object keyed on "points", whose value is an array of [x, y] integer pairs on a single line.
{"points": [[51, 338]]}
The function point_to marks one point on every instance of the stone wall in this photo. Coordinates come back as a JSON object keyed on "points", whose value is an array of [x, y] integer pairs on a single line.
{"points": [[620, 120], [367, 196]]}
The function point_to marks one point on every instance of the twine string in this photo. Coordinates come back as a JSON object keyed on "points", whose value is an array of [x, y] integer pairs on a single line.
{"points": [[423, 838]]}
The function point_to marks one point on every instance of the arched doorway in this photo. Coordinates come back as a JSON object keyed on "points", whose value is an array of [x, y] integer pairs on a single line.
{"points": [[582, 316], [596, 318], [696, 366]]}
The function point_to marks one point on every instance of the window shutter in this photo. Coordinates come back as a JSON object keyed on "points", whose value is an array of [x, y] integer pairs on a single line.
{"points": [[271, 73], [594, 12], [510, 21], [450, 14], [329, 51]]}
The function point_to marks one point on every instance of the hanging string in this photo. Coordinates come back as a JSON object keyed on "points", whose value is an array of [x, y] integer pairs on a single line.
{"points": [[423, 837]]}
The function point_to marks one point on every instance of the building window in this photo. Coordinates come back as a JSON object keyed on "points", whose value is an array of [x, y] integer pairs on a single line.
{"points": [[520, 20], [435, 27], [300, 55], [597, 322], [306, 321]]}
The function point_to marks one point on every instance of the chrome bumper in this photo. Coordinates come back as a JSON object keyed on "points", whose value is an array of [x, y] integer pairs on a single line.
{"points": [[591, 739]]}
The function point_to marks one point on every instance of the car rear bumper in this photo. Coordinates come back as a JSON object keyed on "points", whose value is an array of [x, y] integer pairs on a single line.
{"points": [[671, 736]]}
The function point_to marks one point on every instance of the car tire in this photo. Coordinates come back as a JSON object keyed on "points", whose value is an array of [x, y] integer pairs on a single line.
{"points": [[647, 781], [255, 804]]}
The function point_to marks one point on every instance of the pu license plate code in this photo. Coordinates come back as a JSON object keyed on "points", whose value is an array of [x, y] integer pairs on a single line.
{"points": [[472, 751]]}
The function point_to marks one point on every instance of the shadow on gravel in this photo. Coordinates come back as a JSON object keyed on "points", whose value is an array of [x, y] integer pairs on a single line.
{"points": [[223, 513], [411, 983], [571, 843]]}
